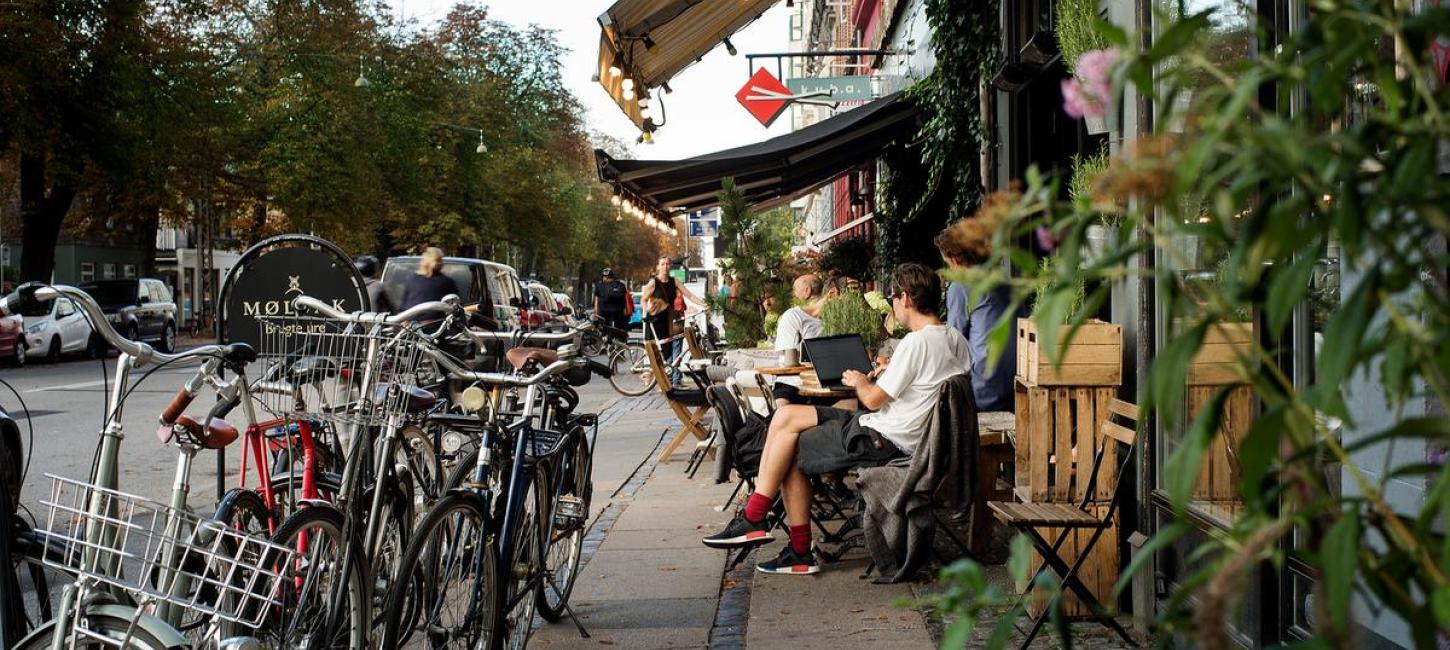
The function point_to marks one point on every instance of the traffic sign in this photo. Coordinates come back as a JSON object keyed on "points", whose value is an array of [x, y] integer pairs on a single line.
{"points": [[764, 96], [841, 89]]}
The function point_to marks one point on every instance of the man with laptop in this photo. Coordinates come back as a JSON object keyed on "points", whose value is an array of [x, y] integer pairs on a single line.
{"points": [[804, 440]]}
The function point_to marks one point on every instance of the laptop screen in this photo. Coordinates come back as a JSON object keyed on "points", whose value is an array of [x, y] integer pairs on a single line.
{"points": [[834, 355]]}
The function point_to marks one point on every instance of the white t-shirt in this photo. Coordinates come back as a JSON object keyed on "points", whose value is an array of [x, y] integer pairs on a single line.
{"points": [[923, 361], [794, 326]]}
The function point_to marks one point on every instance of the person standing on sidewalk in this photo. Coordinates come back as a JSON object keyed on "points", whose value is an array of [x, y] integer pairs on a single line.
{"points": [[429, 283], [367, 265], [659, 307], [610, 298]]}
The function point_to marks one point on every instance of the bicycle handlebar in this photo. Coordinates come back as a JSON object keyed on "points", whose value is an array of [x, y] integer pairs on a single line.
{"points": [[412, 313]]}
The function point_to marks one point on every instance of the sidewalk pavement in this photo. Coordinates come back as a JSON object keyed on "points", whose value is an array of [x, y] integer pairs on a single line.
{"points": [[648, 582]]}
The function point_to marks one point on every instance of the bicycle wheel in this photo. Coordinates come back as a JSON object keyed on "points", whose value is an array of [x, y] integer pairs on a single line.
{"points": [[114, 629], [40, 584], [521, 576], [630, 373], [451, 585], [316, 535], [567, 519], [287, 491], [397, 519]]}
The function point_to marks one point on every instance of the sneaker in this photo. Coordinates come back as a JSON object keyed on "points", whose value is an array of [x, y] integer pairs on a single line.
{"points": [[739, 533], [790, 562]]}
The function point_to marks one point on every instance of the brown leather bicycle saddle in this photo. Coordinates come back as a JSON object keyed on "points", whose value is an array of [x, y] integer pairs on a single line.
{"points": [[520, 357], [416, 400]]}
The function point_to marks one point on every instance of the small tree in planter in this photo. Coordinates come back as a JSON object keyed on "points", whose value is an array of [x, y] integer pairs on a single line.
{"points": [[1086, 171], [756, 245], [849, 313]]}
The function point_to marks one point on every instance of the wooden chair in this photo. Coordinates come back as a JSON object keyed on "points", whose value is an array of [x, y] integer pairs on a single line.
{"points": [[689, 405], [753, 393], [1030, 518]]}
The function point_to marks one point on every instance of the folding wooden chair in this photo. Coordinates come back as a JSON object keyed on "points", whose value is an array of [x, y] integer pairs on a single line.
{"points": [[1029, 518], [689, 405], [751, 389]]}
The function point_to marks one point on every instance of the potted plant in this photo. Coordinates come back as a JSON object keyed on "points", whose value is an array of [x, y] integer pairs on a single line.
{"points": [[849, 313], [1076, 35], [1085, 173]]}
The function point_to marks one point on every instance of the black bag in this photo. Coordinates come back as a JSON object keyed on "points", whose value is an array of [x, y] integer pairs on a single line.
{"points": [[749, 444], [613, 294]]}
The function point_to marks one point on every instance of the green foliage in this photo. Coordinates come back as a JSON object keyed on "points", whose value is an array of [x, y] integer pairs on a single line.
{"points": [[1231, 209], [849, 313], [1085, 171], [755, 248], [849, 257], [1075, 31]]}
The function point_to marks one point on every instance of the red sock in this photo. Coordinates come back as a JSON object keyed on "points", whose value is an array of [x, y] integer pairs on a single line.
{"points": [[757, 507], [800, 538]]}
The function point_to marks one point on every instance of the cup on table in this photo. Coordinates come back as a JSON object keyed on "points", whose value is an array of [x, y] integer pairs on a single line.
{"points": [[790, 358]]}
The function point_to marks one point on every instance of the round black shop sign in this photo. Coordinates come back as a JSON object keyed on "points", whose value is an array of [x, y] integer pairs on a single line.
{"points": [[272, 273]]}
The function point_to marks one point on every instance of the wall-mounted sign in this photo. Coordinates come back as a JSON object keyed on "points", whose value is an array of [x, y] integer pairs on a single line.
{"points": [[840, 89], [705, 224], [764, 96]]}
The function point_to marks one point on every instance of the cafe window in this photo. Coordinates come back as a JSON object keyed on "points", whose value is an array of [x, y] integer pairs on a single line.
{"points": [[88, 271], [108, 271]]}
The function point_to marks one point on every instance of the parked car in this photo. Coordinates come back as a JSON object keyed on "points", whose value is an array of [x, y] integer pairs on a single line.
{"points": [[564, 306], [139, 308], [59, 327], [541, 306], [480, 283], [508, 296], [12, 339]]}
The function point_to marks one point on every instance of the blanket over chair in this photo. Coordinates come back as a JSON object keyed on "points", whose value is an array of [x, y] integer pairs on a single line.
{"points": [[899, 497]]}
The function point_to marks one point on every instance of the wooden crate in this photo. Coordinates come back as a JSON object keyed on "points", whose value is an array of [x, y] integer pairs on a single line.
{"points": [[1095, 357], [1099, 573], [1052, 421], [1216, 363], [1217, 487]]}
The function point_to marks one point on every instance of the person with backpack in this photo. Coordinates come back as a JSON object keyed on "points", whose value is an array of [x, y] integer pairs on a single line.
{"points": [[611, 300], [367, 265]]}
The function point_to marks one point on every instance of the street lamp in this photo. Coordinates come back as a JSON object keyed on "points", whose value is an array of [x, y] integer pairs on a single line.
{"points": [[482, 148], [362, 80]]}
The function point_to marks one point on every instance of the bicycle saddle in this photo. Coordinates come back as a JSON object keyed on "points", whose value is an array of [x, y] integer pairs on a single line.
{"points": [[520, 357], [310, 370], [239, 353], [215, 435], [415, 400]]}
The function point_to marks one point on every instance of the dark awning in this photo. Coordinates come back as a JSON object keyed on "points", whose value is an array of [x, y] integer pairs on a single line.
{"points": [[770, 172], [650, 41]]}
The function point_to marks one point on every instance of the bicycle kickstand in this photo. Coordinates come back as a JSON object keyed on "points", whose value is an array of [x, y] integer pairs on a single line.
{"points": [[583, 633]]}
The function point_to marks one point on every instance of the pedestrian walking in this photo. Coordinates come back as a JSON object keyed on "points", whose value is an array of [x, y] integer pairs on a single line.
{"points": [[367, 265], [429, 283], [611, 300], [659, 307]]}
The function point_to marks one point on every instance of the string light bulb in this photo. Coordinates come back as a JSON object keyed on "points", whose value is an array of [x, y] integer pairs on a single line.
{"points": [[614, 71], [482, 148], [628, 83], [628, 94], [614, 199]]}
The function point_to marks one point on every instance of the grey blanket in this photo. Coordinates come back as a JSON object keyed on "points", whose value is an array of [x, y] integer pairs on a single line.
{"points": [[943, 472]]}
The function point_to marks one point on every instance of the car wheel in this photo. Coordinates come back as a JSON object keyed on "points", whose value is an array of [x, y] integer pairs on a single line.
{"points": [[168, 338], [53, 354], [95, 346], [133, 334], [19, 353]]}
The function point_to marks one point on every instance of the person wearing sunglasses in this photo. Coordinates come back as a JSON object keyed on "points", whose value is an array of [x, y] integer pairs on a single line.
{"points": [[805, 440]]}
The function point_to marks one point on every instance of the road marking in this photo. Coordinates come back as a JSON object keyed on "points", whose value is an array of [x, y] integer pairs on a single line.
{"points": [[84, 384]]}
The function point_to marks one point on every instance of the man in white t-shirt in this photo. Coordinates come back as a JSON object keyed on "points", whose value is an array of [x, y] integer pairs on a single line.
{"points": [[800, 323], [805, 440]]}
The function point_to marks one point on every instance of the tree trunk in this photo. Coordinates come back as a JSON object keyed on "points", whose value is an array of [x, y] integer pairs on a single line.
{"points": [[150, 223], [41, 215]]}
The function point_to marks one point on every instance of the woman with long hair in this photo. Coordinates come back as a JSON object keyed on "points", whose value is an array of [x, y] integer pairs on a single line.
{"points": [[429, 283]]}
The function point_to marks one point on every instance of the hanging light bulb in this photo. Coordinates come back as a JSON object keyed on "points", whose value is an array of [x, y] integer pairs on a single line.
{"points": [[482, 148], [628, 94], [644, 102], [614, 199], [362, 80], [644, 113], [614, 71], [628, 83]]}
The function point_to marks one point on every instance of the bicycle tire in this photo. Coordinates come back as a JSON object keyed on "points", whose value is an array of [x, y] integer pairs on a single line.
{"points": [[630, 361], [111, 626], [28, 551], [558, 582], [299, 532], [451, 539], [515, 625]]}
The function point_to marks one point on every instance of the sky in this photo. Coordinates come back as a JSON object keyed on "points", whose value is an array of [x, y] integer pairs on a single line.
{"points": [[702, 113]]}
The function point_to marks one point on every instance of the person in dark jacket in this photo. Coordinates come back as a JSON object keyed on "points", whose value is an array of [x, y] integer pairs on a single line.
{"points": [[429, 283], [610, 296], [367, 266]]}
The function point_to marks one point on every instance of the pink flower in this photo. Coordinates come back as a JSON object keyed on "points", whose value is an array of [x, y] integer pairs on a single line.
{"points": [[1046, 240], [1090, 92]]}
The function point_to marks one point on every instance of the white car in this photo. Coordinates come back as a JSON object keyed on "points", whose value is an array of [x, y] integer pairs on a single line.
{"points": [[58, 327]]}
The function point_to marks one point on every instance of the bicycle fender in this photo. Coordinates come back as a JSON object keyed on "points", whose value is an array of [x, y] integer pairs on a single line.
{"points": [[164, 633]]}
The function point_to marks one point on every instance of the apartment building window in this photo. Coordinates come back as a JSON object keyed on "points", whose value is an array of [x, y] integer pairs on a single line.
{"points": [[88, 271], [108, 271], [128, 271]]}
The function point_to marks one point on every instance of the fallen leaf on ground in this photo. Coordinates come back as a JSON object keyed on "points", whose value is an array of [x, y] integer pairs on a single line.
{"points": [[856, 610]]}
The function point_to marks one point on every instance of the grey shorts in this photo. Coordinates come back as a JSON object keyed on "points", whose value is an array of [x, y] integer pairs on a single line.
{"points": [[839, 442]]}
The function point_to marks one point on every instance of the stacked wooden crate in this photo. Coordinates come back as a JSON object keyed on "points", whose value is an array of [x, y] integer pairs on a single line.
{"points": [[1215, 366], [1060, 411]]}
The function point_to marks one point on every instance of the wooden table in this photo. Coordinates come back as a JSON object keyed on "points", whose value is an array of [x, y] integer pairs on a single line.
{"points": [[997, 437], [811, 387], [783, 371]]}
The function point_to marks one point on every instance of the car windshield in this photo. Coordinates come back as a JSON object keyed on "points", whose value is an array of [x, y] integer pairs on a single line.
{"points": [[112, 293], [36, 309]]}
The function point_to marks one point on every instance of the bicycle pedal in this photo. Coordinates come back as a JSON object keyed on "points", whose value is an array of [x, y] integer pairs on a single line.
{"points": [[568, 510]]}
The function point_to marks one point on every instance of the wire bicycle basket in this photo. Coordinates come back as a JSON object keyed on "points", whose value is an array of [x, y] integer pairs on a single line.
{"points": [[163, 554], [337, 372]]}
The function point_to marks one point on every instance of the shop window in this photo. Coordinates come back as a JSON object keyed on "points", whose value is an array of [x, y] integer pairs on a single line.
{"points": [[88, 271]]}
